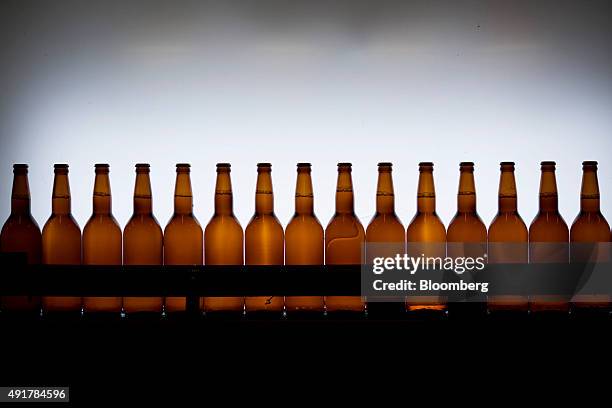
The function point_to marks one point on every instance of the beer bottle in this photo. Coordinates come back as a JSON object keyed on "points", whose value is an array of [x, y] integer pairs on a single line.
{"points": [[223, 240], [344, 240], [589, 229], [385, 237], [61, 240], [304, 240], [426, 236], [548, 237], [142, 240], [508, 237], [102, 240], [467, 234], [21, 233], [264, 239], [183, 237]]}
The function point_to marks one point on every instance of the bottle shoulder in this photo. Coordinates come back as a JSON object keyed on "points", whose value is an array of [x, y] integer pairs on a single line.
{"points": [[20, 222], [426, 222], [183, 223], [142, 223], [61, 221]]}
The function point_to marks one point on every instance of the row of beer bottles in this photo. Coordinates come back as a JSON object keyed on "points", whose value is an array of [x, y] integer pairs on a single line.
{"points": [[265, 243]]}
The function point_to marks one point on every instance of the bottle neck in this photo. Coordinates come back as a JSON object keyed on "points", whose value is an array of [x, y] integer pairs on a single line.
{"points": [[426, 196], [264, 195], [102, 194], [344, 193], [507, 193], [466, 197], [549, 199], [183, 197], [20, 198], [589, 194], [385, 197], [304, 198], [143, 199], [224, 201], [61, 203]]}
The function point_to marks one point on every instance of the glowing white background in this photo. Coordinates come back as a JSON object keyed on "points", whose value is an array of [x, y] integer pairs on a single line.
{"points": [[246, 82]]}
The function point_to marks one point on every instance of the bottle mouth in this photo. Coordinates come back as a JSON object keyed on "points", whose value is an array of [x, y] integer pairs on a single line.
{"points": [[184, 165], [142, 165], [466, 164], [264, 165], [304, 165], [60, 166], [590, 164], [101, 166], [223, 165], [20, 166], [506, 166], [385, 164]]}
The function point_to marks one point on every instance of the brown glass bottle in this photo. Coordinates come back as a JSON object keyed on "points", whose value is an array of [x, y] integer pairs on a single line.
{"points": [[466, 235], [20, 233], [183, 236], [548, 237], [304, 240], [223, 240], [344, 240], [102, 240], [588, 230], [61, 240], [385, 226], [507, 242], [426, 235], [142, 240], [264, 239]]}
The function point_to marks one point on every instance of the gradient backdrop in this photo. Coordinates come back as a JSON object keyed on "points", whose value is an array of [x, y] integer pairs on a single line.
{"points": [[286, 81]]}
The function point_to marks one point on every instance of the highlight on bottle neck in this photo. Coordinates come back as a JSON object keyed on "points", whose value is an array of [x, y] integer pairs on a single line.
{"points": [[385, 196], [102, 192], [426, 195], [183, 197], [20, 197], [143, 199], [344, 190], [549, 200], [264, 195], [589, 194], [223, 190], [61, 202], [507, 188], [466, 196], [304, 197]]}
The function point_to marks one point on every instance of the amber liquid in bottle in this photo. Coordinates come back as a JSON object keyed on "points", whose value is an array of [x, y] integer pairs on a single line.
{"points": [[385, 237], [344, 240], [589, 229], [183, 236], [304, 240], [264, 239], [20, 233], [102, 240], [426, 236], [548, 238], [467, 234], [223, 240], [61, 240], [142, 240], [508, 239]]}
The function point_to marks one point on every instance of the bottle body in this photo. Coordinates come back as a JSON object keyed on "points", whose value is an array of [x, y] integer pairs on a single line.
{"points": [[589, 230], [304, 240], [142, 241], [548, 238], [264, 240], [102, 241], [183, 236], [508, 238], [426, 236], [20, 233], [223, 241], [61, 241], [344, 240]]}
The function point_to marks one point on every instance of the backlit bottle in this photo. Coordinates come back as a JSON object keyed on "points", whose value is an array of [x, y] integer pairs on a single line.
{"points": [[223, 240], [304, 240], [20, 233], [142, 240], [264, 239], [102, 240]]}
